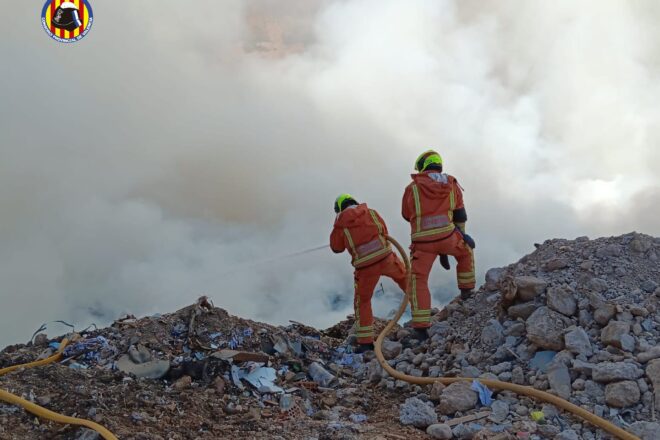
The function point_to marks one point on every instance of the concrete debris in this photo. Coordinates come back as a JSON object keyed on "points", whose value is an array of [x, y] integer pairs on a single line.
{"points": [[614, 371], [622, 394], [545, 328], [458, 396], [146, 370], [577, 342], [417, 413], [439, 431]]}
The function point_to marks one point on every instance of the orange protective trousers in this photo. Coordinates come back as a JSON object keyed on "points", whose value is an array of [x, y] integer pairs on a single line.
{"points": [[423, 255], [366, 280]]}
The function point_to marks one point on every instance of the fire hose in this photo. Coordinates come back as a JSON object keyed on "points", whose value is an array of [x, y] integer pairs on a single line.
{"points": [[43, 412], [494, 384]]}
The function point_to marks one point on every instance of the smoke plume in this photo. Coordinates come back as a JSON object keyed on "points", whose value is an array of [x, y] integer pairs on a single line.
{"points": [[179, 144]]}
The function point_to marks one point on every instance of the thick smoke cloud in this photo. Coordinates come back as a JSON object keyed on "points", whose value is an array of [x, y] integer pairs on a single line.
{"points": [[175, 146]]}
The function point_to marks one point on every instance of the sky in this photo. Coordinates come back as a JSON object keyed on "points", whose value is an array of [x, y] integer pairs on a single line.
{"points": [[178, 151]]}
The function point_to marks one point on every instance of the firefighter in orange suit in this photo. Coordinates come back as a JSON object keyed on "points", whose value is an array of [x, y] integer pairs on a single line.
{"points": [[362, 231], [433, 205]]}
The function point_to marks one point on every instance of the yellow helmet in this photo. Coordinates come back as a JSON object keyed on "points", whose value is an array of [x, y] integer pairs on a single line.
{"points": [[339, 201], [427, 158]]}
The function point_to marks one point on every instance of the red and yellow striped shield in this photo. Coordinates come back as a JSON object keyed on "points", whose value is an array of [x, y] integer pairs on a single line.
{"points": [[84, 13]]}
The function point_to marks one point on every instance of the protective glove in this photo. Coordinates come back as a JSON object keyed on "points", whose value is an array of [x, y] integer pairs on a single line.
{"points": [[444, 261], [469, 240]]}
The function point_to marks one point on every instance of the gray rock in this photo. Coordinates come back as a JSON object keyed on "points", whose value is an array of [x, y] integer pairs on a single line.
{"points": [[653, 375], [598, 284], [582, 367], [640, 244], [466, 431], [374, 371], [88, 434], [603, 311], [470, 371], [559, 379], [595, 391], [615, 334], [651, 354], [649, 286], [585, 318], [577, 341], [441, 328], [639, 311], [568, 434], [545, 328], [440, 431], [646, 430], [500, 368], [529, 287], [492, 334], [457, 397], [41, 340], [556, 264], [493, 277], [614, 371], [518, 376], [603, 314], [516, 329], [500, 411], [417, 413], [391, 349], [139, 354], [610, 250], [578, 384], [562, 300], [522, 310], [548, 431], [436, 391], [147, 370], [622, 394]]}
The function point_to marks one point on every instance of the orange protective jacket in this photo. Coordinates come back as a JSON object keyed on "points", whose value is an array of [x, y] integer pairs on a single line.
{"points": [[429, 203], [362, 231]]}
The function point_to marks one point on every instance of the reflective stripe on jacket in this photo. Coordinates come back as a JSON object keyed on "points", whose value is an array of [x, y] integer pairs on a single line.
{"points": [[362, 231]]}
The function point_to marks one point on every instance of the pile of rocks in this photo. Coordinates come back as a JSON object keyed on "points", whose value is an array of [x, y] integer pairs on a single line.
{"points": [[580, 319]]}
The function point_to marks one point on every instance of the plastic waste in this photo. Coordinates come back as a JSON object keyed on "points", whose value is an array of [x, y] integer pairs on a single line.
{"points": [[485, 394], [286, 402], [320, 375], [538, 416], [358, 418]]}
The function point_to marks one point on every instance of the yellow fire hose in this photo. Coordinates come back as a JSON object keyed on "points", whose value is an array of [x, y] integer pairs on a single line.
{"points": [[494, 384], [43, 412]]}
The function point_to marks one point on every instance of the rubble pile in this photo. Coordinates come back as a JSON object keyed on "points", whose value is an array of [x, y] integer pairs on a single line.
{"points": [[580, 319]]}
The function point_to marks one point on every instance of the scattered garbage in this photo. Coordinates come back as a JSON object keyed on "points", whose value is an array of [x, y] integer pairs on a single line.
{"points": [[320, 375], [484, 393], [538, 416], [97, 350], [358, 418]]}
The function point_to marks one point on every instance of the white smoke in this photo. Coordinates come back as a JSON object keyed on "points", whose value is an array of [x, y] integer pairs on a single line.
{"points": [[162, 155]]}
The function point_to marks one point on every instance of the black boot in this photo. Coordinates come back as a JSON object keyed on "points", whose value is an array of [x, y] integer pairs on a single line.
{"points": [[421, 334], [466, 293], [363, 348], [417, 336]]}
